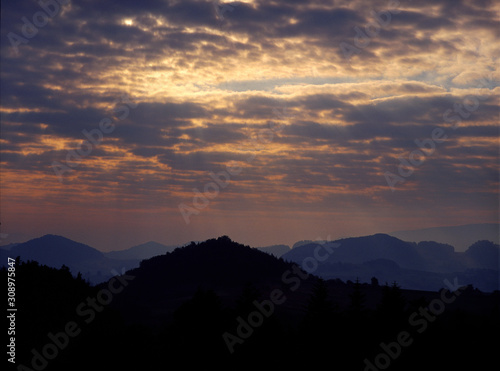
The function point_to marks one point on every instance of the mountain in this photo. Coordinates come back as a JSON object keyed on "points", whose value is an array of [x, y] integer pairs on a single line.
{"points": [[307, 242], [459, 236], [140, 252], [8, 246], [195, 296], [220, 304], [276, 250], [362, 249], [56, 251], [13, 238], [485, 254], [220, 264], [422, 266]]}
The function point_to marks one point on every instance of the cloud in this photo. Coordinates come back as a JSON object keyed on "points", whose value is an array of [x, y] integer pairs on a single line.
{"points": [[267, 86]]}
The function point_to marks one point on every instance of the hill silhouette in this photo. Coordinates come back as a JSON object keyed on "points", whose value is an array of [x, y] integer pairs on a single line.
{"points": [[216, 264], [276, 250], [484, 254], [460, 236], [358, 250], [140, 252], [56, 251], [422, 265], [181, 307]]}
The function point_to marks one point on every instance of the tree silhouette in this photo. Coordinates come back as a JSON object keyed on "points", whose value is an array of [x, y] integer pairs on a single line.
{"points": [[320, 308], [319, 325], [197, 329], [307, 331], [357, 306], [245, 303], [391, 311]]}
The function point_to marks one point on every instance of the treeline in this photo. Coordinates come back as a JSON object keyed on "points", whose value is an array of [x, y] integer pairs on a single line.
{"points": [[345, 326], [400, 334]]}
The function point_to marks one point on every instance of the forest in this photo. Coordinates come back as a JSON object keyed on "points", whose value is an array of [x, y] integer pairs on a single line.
{"points": [[221, 304]]}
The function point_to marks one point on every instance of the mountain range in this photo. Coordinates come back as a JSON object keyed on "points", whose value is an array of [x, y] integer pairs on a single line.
{"points": [[423, 265], [221, 303], [140, 252], [56, 251], [460, 236], [94, 265]]}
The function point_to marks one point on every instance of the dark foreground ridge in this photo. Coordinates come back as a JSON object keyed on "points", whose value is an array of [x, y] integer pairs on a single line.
{"points": [[219, 304]]}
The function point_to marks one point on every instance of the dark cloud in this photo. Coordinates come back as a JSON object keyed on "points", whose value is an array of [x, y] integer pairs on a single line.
{"points": [[200, 160], [213, 133], [422, 21], [166, 114], [209, 89]]}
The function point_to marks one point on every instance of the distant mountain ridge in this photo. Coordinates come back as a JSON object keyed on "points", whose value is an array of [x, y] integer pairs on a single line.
{"points": [[421, 265], [361, 249], [142, 251], [95, 266], [461, 236], [223, 304], [55, 251], [276, 250]]}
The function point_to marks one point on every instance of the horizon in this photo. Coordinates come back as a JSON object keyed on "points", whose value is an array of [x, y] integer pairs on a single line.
{"points": [[5, 239], [269, 123]]}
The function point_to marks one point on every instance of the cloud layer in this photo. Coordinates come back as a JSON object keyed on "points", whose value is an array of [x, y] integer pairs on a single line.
{"points": [[315, 102]]}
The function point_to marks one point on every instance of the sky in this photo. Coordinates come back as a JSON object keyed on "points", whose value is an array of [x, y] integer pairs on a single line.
{"points": [[268, 121]]}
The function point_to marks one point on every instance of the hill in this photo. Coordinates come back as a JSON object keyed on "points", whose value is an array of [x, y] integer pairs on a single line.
{"points": [[222, 304], [56, 251], [140, 252], [276, 250], [461, 237], [219, 264], [194, 296], [422, 266]]}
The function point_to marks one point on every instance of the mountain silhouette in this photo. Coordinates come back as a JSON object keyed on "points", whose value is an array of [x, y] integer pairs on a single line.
{"points": [[484, 254], [140, 252], [219, 264], [461, 237], [196, 293], [422, 266], [213, 261], [180, 308], [56, 251], [358, 250], [276, 250]]}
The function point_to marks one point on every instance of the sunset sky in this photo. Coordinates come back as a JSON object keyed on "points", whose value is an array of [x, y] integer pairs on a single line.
{"points": [[306, 107]]}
